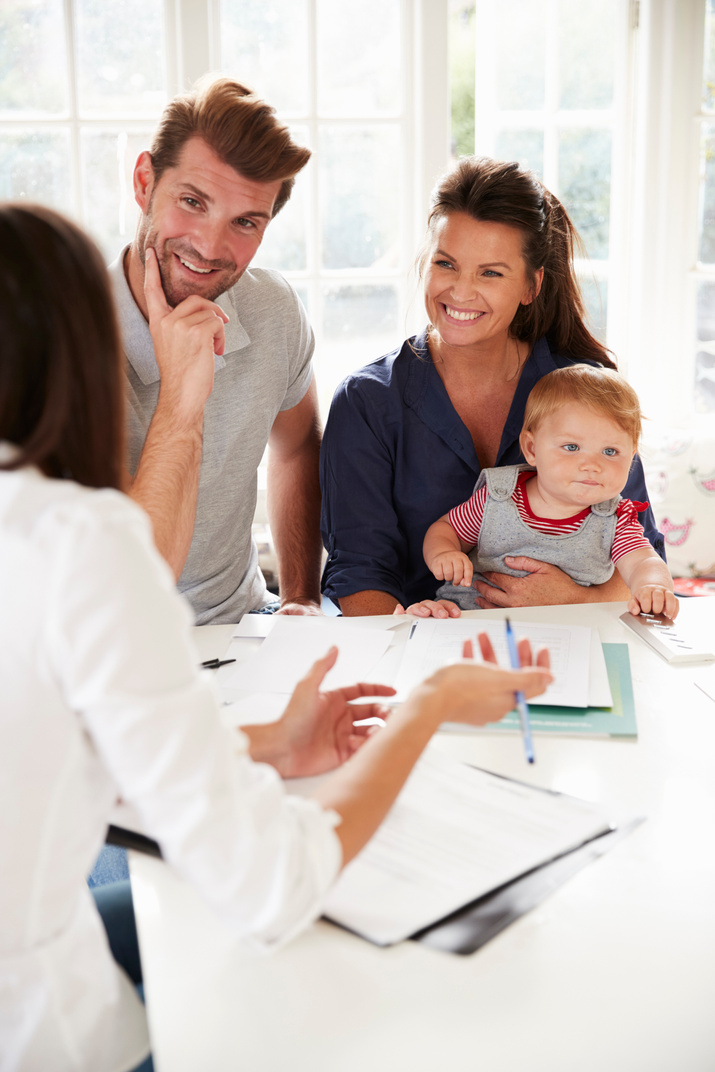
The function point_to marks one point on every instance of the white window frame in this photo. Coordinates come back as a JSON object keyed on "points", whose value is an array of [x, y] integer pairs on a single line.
{"points": [[655, 173], [663, 215]]}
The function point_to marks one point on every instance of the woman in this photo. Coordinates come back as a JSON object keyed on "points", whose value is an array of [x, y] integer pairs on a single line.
{"points": [[101, 695], [409, 434]]}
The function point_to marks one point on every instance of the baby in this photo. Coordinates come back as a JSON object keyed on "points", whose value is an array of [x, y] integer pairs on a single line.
{"points": [[581, 429]]}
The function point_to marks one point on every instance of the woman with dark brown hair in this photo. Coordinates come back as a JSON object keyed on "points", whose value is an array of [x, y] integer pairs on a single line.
{"points": [[102, 695], [409, 434]]}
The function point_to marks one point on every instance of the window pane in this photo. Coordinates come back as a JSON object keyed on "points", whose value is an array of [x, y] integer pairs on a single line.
{"points": [[595, 298], [360, 184], [359, 58], [461, 75], [585, 185], [706, 249], [33, 59], [36, 165], [108, 159], [521, 51], [705, 359], [120, 57], [709, 59], [360, 323], [587, 36], [284, 243], [704, 382], [524, 146], [284, 246], [266, 46]]}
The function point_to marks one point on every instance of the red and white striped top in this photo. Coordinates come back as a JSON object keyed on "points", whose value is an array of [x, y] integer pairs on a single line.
{"points": [[466, 520]]}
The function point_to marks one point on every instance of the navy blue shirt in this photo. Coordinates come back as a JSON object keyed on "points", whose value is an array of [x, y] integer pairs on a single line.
{"points": [[396, 456]]}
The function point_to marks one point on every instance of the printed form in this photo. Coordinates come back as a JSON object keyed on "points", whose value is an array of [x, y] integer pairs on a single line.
{"points": [[454, 834], [577, 661]]}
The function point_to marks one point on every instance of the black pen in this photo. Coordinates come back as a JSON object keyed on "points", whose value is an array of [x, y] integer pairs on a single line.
{"points": [[213, 664]]}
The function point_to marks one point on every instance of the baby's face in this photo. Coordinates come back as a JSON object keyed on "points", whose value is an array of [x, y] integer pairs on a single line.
{"points": [[582, 457]]}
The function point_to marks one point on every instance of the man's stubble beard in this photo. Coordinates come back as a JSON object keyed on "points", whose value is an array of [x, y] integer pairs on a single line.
{"points": [[175, 295]]}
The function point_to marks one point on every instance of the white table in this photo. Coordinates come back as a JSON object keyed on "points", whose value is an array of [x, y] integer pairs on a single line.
{"points": [[614, 971]]}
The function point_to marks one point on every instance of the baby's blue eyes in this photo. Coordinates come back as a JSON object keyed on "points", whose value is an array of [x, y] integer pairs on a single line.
{"points": [[572, 448]]}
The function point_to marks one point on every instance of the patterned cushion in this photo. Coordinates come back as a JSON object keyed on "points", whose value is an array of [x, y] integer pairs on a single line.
{"points": [[679, 469]]}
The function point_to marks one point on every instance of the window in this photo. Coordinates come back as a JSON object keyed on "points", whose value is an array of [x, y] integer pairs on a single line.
{"points": [[704, 379], [82, 84], [603, 98], [78, 102], [548, 92]]}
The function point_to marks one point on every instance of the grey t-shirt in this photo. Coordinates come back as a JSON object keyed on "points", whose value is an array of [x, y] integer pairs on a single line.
{"points": [[266, 369]]}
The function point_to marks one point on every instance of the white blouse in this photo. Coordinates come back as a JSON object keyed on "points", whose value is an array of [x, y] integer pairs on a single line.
{"points": [[101, 697]]}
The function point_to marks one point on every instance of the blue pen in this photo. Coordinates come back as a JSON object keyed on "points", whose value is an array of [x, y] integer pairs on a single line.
{"points": [[521, 704]]}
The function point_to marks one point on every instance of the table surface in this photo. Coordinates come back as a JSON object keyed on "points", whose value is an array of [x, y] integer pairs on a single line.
{"points": [[616, 969]]}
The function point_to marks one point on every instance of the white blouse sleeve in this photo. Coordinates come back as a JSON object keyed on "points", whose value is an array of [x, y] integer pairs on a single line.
{"points": [[118, 637]]}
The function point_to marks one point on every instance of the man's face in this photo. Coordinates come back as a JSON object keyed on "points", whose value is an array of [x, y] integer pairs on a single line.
{"points": [[204, 220]]}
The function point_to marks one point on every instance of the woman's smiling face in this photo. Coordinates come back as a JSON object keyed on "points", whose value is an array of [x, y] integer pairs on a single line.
{"points": [[476, 279]]}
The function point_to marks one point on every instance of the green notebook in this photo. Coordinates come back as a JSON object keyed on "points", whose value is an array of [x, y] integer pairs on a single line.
{"points": [[616, 721]]}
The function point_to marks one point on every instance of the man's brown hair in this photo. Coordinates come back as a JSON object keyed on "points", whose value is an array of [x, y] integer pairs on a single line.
{"points": [[239, 127]]}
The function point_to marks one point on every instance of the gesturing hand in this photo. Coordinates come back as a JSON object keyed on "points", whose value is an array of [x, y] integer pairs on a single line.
{"points": [[316, 730], [479, 694], [185, 340]]}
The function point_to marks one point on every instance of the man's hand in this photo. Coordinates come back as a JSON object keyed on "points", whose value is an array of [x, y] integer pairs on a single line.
{"points": [[316, 732], [477, 695], [545, 585], [185, 340], [301, 606]]}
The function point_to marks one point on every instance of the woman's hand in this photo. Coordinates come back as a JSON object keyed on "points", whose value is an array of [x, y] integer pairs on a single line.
{"points": [[476, 695], [431, 608], [316, 732]]}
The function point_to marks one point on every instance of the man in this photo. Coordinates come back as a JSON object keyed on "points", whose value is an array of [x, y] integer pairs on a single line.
{"points": [[219, 357]]}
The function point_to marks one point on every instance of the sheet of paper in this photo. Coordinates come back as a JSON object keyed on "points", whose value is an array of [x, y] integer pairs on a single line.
{"points": [[599, 690], [295, 642], [436, 642], [454, 834]]}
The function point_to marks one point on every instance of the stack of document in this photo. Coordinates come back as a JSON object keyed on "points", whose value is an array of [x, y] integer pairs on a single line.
{"points": [[292, 643], [577, 660], [454, 834], [591, 695]]}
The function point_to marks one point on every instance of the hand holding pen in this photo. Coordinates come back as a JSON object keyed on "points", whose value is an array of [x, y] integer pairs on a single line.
{"points": [[521, 704], [523, 655]]}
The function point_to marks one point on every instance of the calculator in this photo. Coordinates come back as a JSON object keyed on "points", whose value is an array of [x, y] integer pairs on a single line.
{"points": [[672, 641]]}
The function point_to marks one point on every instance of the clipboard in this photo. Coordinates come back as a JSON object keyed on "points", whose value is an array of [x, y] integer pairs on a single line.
{"points": [[472, 926]]}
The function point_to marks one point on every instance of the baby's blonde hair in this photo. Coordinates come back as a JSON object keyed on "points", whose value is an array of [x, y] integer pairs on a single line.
{"points": [[600, 389]]}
